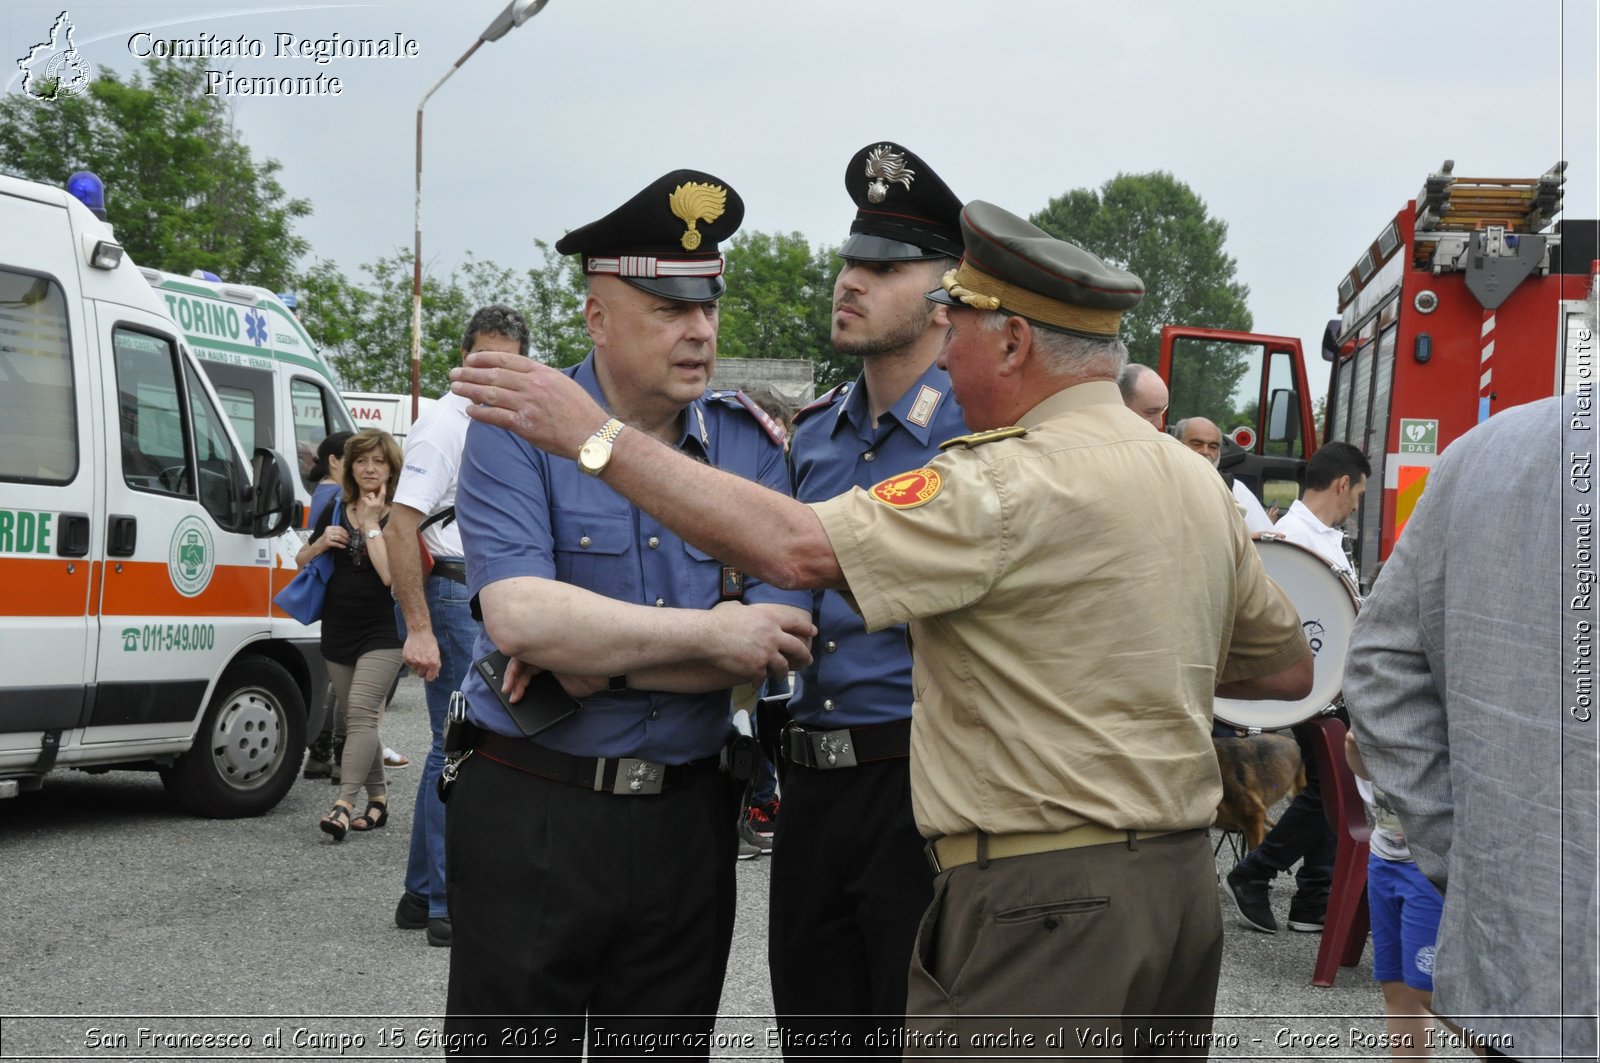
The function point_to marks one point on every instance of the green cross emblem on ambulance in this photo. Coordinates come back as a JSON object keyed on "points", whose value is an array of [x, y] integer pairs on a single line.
{"points": [[192, 557]]}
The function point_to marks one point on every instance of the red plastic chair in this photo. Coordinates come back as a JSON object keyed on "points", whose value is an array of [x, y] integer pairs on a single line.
{"points": [[1344, 934]]}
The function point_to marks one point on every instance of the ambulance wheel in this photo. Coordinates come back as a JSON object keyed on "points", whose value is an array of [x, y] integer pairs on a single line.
{"points": [[247, 752]]}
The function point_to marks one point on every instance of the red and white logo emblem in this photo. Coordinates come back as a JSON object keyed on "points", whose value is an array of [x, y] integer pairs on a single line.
{"points": [[908, 490]]}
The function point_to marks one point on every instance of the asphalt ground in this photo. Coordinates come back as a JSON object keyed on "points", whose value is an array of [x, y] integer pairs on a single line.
{"points": [[119, 913]]}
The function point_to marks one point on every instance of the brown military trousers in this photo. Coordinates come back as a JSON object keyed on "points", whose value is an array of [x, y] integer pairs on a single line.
{"points": [[1106, 950]]}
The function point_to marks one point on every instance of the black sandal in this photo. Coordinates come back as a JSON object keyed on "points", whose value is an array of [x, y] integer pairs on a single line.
{"points": [[336, 823], [367, 821]]}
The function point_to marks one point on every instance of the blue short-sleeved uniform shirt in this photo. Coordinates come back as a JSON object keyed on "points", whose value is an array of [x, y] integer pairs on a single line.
{"points": [[525, 513], [855, 678]]}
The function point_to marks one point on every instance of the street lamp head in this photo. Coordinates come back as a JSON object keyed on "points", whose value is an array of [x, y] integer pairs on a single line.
{"points": [[516, 13]]}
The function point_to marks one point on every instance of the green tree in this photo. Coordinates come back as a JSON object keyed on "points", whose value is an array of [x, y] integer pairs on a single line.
{"points": [[367, 325], [182, 187], [1155, 226], [779, 303]]}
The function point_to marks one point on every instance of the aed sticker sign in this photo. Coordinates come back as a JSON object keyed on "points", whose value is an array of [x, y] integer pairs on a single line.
{"points": [[1419, 436]]}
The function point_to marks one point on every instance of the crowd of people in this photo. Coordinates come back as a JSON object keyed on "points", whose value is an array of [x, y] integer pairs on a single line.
{"points": [[995, 768]]}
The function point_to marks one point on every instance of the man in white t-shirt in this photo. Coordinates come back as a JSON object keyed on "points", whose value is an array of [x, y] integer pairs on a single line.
{"points": [[1336, 478], [1201, 435], [435, 615]]}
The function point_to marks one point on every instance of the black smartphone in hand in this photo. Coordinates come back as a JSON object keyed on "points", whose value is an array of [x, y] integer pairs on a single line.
{"points": [[544, 704]]}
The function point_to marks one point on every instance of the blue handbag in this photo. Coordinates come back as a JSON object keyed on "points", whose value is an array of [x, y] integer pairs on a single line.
{"points": [[303, 597]]}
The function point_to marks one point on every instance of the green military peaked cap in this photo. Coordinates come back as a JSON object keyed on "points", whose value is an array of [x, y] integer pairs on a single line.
{"points": [[1011, 264]]}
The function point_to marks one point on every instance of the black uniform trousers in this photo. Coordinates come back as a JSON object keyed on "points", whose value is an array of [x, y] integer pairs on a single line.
{"points": [[575, 909], [850, 882], [1303, 834]]}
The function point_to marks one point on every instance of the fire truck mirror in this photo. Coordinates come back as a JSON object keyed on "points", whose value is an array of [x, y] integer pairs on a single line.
{"points": [[1283, 426]]}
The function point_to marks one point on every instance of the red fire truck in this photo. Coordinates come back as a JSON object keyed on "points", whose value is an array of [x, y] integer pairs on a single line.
{"points": [[1467, 303]]}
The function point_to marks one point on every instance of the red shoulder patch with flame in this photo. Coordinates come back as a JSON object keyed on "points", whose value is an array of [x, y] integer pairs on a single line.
{"points": [[909, 489]]}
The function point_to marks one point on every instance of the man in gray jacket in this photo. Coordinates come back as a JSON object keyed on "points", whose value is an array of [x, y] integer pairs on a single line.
{"points": [[1471, 693]]}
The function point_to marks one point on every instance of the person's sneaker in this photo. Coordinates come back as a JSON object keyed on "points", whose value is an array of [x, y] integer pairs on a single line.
{"points": [[317, 769], [411, 913], [440, 932], [751, 838], [1307, 918], [1250, 899], [392, 759], [763, 819]]}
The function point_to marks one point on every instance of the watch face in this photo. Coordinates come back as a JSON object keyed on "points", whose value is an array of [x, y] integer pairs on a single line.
{"points": [[593, 455]]}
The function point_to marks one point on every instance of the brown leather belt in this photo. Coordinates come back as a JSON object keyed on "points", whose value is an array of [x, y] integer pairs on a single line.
{"points": [[954, 850], [623, 776], [848, 746]]}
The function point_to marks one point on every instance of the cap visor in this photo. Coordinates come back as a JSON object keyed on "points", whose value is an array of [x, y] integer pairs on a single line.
{"points": [[681, 289], [864, 247], [939, 295]]}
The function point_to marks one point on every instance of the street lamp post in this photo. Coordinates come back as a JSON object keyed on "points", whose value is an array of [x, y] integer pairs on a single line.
{"points": [[516, 13]]}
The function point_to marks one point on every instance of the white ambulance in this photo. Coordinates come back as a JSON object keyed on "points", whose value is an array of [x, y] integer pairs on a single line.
{"points": [[140, 544], [275, 388]]}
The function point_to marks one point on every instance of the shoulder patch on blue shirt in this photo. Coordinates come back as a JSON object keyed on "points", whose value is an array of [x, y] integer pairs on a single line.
{"points": [[739, 399], [823, 401]]}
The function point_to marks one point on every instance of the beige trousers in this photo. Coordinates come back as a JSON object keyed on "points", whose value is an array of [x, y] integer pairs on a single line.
{"points": [[363, 691]]}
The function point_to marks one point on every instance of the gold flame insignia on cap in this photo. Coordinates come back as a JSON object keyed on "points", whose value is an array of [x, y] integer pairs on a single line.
{"points": [[886, 167], [695, 202]]}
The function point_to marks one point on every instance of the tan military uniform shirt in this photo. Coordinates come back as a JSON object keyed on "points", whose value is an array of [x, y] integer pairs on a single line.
{"points": [[1074, 597]]}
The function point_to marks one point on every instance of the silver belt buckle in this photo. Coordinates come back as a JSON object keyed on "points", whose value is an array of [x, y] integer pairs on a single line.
{"points": [[832, 749], [635, 777]]}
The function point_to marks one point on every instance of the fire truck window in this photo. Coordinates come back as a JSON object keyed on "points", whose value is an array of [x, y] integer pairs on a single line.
{"points": [[154, 456], [311, 423], [38, 415], [1216, 379], [1282, 437], [222, 478]]}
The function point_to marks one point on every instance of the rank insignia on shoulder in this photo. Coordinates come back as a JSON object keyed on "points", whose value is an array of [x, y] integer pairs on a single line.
{"points": [[823, 401], [909, 489], [769, 424], [979, 438]]}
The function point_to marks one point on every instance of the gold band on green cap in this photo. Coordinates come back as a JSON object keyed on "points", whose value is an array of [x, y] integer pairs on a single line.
{"points": [[980, 291]]}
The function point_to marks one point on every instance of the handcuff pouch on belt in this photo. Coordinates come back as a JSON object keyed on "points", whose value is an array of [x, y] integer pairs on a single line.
{"points": [[739, 757]]}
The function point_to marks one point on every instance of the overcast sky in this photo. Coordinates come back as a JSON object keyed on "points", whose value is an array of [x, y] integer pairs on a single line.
{"points": [[1305, 127]]}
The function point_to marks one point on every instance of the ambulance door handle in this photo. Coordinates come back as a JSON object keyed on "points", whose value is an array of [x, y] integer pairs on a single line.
{"points": [[74, 538], [121, 536]]}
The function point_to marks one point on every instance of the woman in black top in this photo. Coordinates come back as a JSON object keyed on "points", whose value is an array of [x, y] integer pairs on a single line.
{"points": [[359, 638]]}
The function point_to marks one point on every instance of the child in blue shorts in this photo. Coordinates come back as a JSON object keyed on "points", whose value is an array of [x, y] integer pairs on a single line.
{"points": [[1405, 910]]}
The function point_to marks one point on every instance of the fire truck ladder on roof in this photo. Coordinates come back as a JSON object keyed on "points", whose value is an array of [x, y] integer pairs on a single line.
{"points": [[1486, 227]]}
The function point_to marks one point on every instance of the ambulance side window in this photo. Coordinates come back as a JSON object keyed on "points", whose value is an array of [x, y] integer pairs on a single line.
{"points": [[38, 417], [311, 421], [223, 483], [155, 457]]}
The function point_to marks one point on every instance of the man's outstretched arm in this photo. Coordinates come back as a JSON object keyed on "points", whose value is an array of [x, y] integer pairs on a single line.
{"points": [[761, 531]]}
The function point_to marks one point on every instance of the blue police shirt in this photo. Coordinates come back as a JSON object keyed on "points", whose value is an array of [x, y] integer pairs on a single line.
{"points": [[855, 678], [525, 513]]}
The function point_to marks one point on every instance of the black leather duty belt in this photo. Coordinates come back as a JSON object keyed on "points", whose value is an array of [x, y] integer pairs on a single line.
{"points": [[624, 776], [847, 747], [451, 570]]}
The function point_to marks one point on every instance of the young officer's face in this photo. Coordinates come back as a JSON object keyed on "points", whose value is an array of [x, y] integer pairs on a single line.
{"points": [[653, 347], [879, 307]]}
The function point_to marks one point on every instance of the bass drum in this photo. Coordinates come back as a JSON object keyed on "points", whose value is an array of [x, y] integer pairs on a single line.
{"points": [[1327, 603]]}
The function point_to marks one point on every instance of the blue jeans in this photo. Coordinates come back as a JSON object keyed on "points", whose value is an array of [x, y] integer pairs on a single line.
{"points": [[451, 616]]}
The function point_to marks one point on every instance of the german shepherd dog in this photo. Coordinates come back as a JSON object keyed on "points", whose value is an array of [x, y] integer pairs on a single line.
{"points": [[1258, 771]]}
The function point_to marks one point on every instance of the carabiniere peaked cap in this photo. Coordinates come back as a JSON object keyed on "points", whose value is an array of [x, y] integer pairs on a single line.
{"points": [[664, 240], [1012, 265], [904, 211]]}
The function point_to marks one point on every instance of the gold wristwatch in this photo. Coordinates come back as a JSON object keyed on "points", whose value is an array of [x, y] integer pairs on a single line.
{"points": [[595, 454]]}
